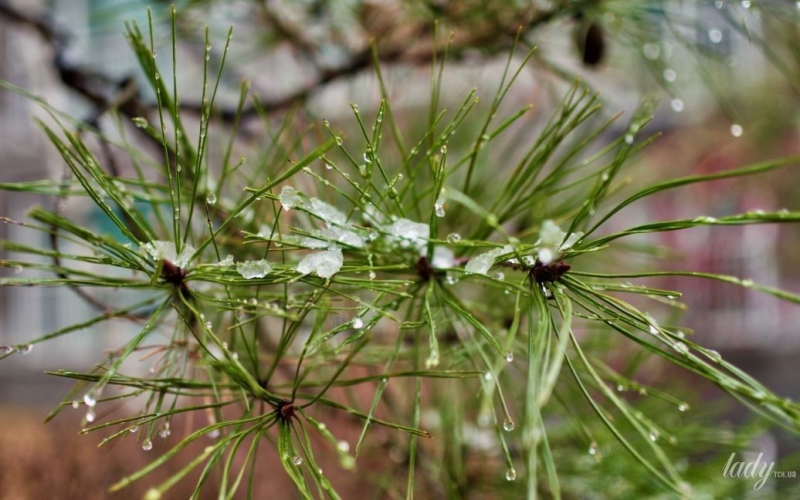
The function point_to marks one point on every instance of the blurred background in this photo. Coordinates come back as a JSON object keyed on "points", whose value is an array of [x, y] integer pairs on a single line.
{"points": [[726, 75]]}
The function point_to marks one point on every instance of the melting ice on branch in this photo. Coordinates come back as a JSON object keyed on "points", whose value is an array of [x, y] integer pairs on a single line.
{"points": [[323, 264], [165, 250], [443, 258], [551, 241], [250, 269], [480, 264], [291, 198], [409, 233]]}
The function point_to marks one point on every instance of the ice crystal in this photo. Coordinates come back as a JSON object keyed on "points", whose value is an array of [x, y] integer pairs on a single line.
{"points": [[323, 264]]}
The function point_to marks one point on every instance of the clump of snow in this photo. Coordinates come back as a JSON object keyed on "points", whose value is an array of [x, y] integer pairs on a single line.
{"points": [[372, 215], [480, 264], [328, 238], [165, 250], [551, 241], [250, 269], [323, 264], [306, 242], [343, 235], [326, 212], [409, 233], [545, 255], [573, 238], [226, 262], [290, 198], [443, 258]]}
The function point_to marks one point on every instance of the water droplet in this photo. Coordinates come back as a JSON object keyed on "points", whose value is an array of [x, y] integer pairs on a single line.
{"points": [[653, 436], [90, 416], [89, 399], [372, 275], [140, 121], [343, 446], [676, 105], [134, 429], [453, 238], [297, 461], [747, 283], [670, 75], [713, 355], [487, 376], [451, 278], [681, 347], [593, 449], [439, 210], [357, 323], [147, 445], [682, 407], [653, 327], [509, 357], [715, 35], [746, 4], [152, 494], [208, 325], [511, 474], [165, 431], [213, 434], [499, 276], [628, 138], [157, 76], [75, 404], [26, 349], [508, 424], [339, 141], [651, 51], [736, 130], [620, 387], [211, 198]]}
